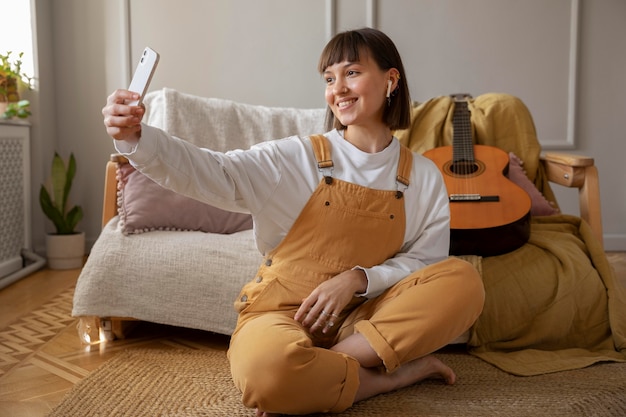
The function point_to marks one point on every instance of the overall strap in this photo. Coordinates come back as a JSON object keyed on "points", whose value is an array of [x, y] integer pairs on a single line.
{"points": [[321, 147], [405, 165]]}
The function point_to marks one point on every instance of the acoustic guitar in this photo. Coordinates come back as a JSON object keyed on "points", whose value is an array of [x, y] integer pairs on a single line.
{"points": [[489, 214]]}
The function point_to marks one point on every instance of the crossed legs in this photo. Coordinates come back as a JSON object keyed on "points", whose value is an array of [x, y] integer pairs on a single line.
{"points": [[383, 346]]}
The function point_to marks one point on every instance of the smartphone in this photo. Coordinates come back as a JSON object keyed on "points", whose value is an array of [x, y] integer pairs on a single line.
{"points": [[143, 74]]}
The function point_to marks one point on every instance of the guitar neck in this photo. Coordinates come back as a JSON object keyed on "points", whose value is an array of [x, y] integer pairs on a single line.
{"points": [[462, 142]]}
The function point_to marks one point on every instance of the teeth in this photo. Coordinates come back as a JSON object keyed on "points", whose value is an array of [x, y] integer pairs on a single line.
{"points": [[345, 103]]}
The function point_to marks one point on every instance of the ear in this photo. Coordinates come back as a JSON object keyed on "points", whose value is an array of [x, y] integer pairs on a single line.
{"points": [[394, 79]]}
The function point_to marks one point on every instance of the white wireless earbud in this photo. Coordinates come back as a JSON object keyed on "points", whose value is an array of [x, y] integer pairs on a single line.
{"points": [[389, 83]]}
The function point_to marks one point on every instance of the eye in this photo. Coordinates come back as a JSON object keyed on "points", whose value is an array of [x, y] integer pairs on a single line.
{"points": [[352, 73], [328, 77]]}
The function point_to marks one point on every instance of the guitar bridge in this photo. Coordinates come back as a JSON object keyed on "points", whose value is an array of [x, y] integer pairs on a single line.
{"points": [[467, 198]]}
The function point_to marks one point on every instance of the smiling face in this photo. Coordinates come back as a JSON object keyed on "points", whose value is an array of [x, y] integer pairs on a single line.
{"points": [[356, 91], [357, 65]]}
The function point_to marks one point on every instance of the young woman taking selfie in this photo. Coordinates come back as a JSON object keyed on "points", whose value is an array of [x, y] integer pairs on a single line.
{"points": [[356, 289]]}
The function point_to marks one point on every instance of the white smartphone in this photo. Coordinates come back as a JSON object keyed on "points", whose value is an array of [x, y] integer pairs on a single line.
{"points": [[143, 74]]}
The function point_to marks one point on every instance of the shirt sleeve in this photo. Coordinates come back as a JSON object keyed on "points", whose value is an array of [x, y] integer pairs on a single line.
{"points": [[236, 180]]}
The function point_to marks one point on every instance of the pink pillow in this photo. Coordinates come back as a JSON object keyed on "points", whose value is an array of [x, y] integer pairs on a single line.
{"points": [[539, 206], [143, 206]]}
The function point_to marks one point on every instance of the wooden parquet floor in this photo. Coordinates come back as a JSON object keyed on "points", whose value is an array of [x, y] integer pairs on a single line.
{"points": [[42, 357], [41, 354], [24, 338]]}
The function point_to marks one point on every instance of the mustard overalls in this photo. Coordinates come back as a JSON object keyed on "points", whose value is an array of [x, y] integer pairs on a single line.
{"points": [[277, 364]]}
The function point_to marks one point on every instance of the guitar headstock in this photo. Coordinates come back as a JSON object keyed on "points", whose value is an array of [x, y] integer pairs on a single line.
{"points": [[460, 97]]}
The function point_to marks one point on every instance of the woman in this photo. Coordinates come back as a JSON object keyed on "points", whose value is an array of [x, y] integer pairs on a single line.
{"points": [[356, 289]]}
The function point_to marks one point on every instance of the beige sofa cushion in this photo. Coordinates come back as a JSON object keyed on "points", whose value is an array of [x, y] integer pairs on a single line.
{"points": [[187, 279]]}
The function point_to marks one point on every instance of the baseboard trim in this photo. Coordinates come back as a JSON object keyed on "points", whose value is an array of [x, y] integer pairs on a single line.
{"points": [[615, 242]]}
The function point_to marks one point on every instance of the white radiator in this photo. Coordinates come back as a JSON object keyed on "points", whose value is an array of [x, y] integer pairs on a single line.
{"points": [[15, 201]]}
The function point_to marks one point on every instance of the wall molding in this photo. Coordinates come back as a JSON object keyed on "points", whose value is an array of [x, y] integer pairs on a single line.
{"points": [[331, 19], [125, 50], [570, 141], [371, 13]]}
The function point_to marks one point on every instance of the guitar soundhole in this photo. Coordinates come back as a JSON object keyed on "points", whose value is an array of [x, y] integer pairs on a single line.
{"points": [[464, 168]]}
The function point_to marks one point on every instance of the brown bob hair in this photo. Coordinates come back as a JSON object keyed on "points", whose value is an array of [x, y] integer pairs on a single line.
{"points": [[347, 46]]}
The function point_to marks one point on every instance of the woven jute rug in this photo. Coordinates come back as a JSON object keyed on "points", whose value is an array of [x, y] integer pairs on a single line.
{"points": [[145, 382]]}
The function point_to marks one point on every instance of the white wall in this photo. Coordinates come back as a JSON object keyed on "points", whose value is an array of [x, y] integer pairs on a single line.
{"points": [[265, 55], [266, 51], [71, 36]]}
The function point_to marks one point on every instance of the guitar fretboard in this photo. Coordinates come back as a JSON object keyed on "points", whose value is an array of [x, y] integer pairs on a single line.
{"points": [[463, 146]]}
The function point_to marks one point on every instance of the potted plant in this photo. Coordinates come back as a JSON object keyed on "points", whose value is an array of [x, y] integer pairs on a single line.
{"points": [[65, 248], [19, 109], [12, 80]]}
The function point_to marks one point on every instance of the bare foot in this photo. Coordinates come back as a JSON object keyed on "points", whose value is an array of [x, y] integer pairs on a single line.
{"points": [[375, 382], [427, 367]]}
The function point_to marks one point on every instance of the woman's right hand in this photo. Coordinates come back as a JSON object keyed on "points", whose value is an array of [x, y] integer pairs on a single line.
{"points": [[123, 122]]}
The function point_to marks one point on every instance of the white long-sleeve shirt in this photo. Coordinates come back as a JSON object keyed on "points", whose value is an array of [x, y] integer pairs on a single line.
{"points": [[274, 180]]}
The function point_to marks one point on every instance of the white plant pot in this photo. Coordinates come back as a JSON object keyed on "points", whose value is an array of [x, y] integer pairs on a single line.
{"points": [[65, 251]]}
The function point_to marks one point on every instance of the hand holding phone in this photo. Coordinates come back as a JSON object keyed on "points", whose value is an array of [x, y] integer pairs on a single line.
{"points": [[143, 74]]}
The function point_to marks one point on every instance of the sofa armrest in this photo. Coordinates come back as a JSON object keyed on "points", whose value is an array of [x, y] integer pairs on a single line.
{"points": [[109, 206], [578, 172]]}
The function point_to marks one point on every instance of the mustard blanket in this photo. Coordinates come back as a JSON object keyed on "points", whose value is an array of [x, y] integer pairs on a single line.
{"points": [[554, 304]]}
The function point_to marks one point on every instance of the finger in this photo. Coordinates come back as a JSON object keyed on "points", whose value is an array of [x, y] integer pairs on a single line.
{"points": [[121, 96], [306, 308], [121, 122], [317, 312], [331, 319], [122, 127], [319, 323], [312, 316], [117, 130], [328, 326], [123, 110], [302, 311], [129, 133]]}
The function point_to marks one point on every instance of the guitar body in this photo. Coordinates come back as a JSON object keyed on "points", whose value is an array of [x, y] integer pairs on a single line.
{"points": [[489, 214]]}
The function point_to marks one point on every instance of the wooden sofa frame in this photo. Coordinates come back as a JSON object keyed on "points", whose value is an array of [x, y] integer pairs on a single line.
{"points": [[568, 170]]}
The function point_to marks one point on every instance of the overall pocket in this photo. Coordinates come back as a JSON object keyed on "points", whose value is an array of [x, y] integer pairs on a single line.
{"points": [[371, 236]]}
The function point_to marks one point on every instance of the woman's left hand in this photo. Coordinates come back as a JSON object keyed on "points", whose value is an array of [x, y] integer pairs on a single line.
{"points": [[321, 309]]}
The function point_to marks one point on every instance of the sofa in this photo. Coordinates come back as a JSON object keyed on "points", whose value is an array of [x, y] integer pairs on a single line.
{"points": [[167, 259], [179, 275]]}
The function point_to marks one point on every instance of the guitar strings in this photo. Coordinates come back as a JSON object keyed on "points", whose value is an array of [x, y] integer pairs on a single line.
{"points": [[463, 148]]}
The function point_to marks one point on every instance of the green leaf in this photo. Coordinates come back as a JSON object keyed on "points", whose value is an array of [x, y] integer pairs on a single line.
{"points": [[50, 210], [73, 217], [69, 178], [54, 203], [58, 183]]}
